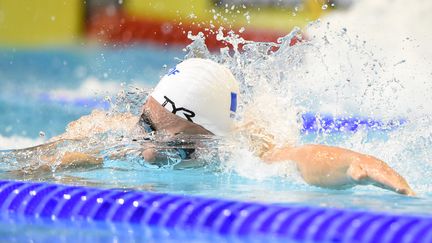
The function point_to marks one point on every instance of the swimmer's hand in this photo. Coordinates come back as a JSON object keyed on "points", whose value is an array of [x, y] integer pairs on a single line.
{"points": [[67, 161], [338, 168], [149, 155], [152, 155]]}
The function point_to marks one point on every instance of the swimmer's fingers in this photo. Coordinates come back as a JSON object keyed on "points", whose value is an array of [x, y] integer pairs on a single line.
{"points": [[381, 175]]}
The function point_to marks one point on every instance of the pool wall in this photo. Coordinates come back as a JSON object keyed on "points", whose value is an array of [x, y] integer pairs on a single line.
{"points": [[220, 216]]}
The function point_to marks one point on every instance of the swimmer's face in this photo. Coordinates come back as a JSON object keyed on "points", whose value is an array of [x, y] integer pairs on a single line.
{"points": [[164, 121]]}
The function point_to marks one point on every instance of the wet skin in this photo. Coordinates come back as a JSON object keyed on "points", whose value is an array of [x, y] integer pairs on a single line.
{"points": [[168, 123], [319, 165]]}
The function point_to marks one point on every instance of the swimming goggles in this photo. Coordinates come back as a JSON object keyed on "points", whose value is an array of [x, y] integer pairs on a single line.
{"points": [[150, 128], [146, 123]]}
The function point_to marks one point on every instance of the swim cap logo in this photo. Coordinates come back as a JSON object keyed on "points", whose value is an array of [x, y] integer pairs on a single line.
{"points": [[187, 113], [173, 71], [233, 107]]}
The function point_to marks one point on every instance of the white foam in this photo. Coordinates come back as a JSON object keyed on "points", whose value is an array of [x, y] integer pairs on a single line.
{"points": [[92, 87], [372, 60], [383, 48], [89, 88], [18, 142], [244, 163]]}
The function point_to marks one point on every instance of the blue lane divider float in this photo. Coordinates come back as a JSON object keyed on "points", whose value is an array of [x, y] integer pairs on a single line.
{"points": [[91, 102], [221, 216], [312, 122]]}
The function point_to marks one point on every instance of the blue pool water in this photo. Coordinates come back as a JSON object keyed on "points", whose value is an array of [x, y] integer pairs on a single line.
{"points": [[28, 77], [25, 229], [31, 74]]}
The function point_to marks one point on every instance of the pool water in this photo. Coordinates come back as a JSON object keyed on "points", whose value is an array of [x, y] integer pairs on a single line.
{"points": [[43, 90], [58, 85], [26, 114], [20, 229]]}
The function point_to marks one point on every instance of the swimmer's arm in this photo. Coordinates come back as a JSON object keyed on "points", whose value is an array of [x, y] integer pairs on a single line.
{"points": [[49, 155], [89, 159], [334, 167], [74, 159], [71, 159], [78, 159], [87, 126]]}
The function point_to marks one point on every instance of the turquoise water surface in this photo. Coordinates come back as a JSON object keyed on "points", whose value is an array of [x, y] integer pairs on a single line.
{"points": [[42, 92]]}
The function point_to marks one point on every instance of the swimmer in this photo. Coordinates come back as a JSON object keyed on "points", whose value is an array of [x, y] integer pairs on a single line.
{"points": [[199, 97]]}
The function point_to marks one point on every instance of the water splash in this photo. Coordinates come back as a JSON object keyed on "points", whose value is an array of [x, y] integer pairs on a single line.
{"points": [[341, 72], [334, 70], [257, 67], [109, 135]]}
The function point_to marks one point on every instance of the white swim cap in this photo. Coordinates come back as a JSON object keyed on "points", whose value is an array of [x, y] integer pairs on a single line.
{"points": [[201, 91]]}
